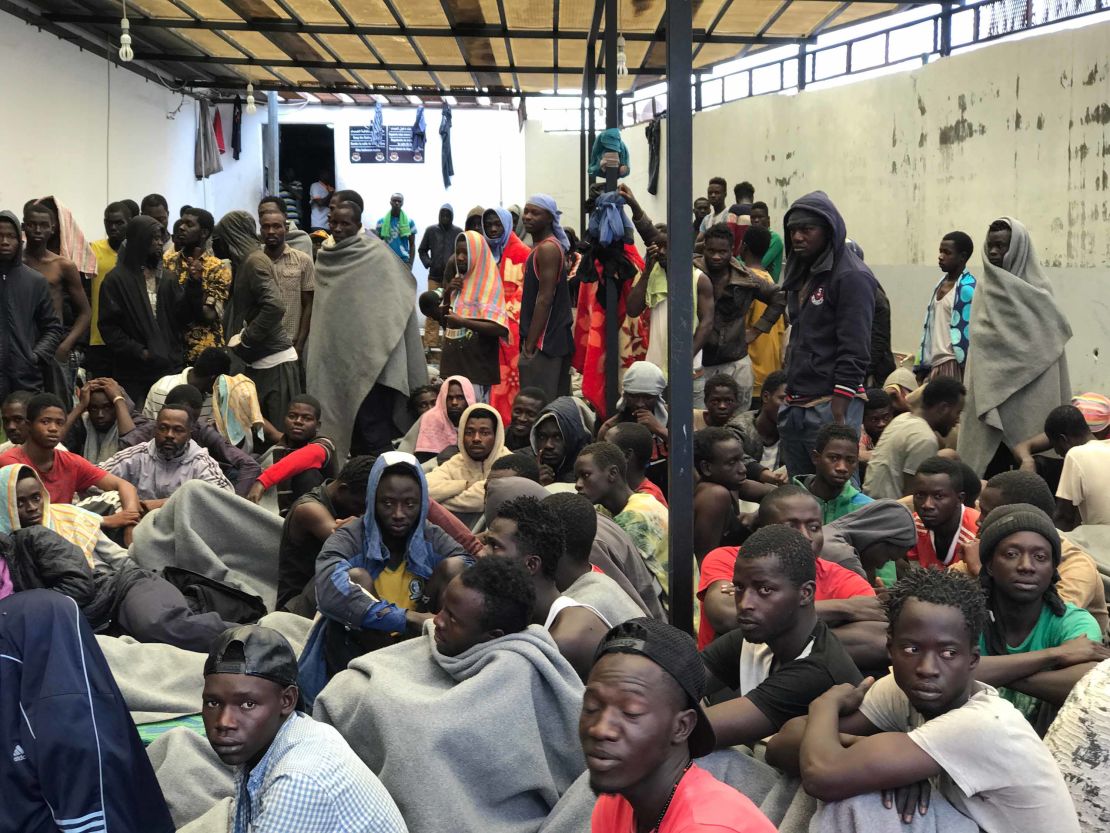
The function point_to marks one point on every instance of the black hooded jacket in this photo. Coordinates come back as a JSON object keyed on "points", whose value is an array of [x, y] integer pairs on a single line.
{"points": [[830, 303], [575, 435], [126, 322], [30, 330]]}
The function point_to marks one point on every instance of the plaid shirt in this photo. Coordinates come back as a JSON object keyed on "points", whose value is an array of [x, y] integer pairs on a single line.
{"points": [[309, 781]]}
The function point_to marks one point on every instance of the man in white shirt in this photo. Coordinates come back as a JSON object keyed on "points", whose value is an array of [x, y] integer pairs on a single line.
{"points": [[717, 192], [1083, 496], [912, 438], [319, 196], [210, 365]]}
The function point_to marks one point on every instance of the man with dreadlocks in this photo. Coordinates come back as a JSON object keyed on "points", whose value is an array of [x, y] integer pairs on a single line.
{"points": [[929, 722], [1036, 645]]}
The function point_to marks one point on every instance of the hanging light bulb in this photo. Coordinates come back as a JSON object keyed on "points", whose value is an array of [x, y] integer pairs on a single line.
{"points": [[622, 61], [126, 54], [251, 106]]}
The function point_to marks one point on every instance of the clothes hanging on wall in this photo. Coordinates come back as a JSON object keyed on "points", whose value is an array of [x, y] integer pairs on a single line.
{"points": [[218, 129], [237, 128], [653, 130], [419, 131], [445, 137], [377, 128], [206, 156]]}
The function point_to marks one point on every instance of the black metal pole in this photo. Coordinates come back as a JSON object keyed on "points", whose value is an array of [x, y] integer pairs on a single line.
{"points": [[612, 303], [680, 309], [583, 155], [945, 30]]}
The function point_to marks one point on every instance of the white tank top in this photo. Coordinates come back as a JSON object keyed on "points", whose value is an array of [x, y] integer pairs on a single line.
{"points": [[562, 603]]}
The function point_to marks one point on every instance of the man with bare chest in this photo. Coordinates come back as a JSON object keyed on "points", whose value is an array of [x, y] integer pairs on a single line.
{"points": [[39, 225]]}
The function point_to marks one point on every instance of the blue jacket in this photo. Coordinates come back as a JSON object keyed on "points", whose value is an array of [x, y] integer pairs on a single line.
{"points": [[960, 324], [830, 337]]}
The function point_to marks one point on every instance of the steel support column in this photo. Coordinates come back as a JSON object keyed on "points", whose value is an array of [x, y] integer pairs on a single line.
{"points": [[273, 157], [945, 46], [680, 318], [612, 302]]}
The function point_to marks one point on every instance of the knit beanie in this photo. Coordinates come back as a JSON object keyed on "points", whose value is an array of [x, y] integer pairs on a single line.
{"points": [[1017, 517]]}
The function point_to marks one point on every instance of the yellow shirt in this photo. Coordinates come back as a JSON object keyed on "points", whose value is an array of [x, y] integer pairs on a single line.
{"points": [[400, 587], [105, 263]]}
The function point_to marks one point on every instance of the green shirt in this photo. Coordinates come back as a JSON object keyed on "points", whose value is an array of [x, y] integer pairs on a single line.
{"points": [[1050, 631], [849, 500], [772, 260]]}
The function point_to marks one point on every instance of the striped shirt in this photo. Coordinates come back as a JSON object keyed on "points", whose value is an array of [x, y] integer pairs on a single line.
{"points": [[924, 551], [156, 396], [309, 781], [294, 273]]}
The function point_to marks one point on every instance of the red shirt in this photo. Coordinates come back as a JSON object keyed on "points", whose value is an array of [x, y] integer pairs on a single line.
{"points": [[70, 472], [649, 488], [701, 804], [833, 582], [925, 554]]}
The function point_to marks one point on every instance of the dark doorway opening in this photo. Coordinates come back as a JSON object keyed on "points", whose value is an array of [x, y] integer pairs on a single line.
{"points": [[304, 151]]}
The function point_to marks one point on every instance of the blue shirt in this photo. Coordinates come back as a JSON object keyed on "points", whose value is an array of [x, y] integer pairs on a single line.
{"points": [[309, 781], [392, 236]]}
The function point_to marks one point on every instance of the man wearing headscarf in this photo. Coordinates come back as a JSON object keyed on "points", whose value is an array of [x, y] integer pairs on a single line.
{"points": [[1016, 369], [436, 248], [643, 402], [398, 230], [511, 255], [254, 315], [143, 311], [545, 310]]}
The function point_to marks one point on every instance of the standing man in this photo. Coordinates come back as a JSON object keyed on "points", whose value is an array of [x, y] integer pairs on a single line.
{"points": [[156, 207], [39, 225], [396, 229], [190, 260], [766, 351], [716, 193], [772, 258], [116, 217], [319, 198], [295, 275], [701, 211], [944, 341], [436, 249], [830, 297], [547, 343], [30, 328], [253, 318]]}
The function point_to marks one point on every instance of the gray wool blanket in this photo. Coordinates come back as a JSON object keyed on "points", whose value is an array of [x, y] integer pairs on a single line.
{"points": [[485, 741], [366, 333], [206, 530], [1016, 370]]}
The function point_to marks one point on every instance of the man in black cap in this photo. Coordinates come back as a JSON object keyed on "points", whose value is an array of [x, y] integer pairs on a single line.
{"points": [[294, 773], [640, 728]]}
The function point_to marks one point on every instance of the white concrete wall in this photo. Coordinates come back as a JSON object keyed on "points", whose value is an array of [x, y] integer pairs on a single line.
{"points": [[1020, 128], [90, 135]]}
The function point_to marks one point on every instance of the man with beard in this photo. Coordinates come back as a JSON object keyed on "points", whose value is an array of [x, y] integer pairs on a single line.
{"points": [[641, 727], [33, 330], [296, 278], [158, 468], [911, 438], [189, 260]]}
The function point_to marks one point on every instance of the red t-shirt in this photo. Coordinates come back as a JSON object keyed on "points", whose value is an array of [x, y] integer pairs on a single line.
{"points": [[833, 582], [925, 554], [649, 488], [70, 472], [700, 804]]}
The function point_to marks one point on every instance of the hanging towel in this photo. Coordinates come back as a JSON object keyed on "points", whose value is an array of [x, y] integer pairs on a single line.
{"points": [[206, 158], [419, 131], [608, 141], [235, 408], [445, 138], [218, 129], [608, 224], [69, 241], [237, 128]]}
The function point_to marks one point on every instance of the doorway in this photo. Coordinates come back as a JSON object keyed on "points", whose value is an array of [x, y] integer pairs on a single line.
{"points": [[304, 150]]}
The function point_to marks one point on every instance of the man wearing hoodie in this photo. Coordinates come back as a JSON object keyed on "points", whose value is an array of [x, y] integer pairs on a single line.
{"points": [[158, 468], [460, 483], [436, 248], [371, 576], [830, 301], [30, 329], [557, 436]]}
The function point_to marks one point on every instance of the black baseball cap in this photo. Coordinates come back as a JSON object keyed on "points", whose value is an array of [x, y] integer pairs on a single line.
{"points": [[255, 651], [676, 653]]}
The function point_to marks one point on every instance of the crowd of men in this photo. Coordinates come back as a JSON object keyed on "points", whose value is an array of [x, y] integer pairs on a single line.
{"points": [[461, 559]]}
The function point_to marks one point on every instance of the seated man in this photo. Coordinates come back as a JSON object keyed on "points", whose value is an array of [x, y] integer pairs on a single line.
{"points": [[481, 675], [912, 437], [835, 456], [14, 415], [758, 431], [64, 473], [599, 470], [878, 411], [721, 481], [517, 464], [61, 547], [945, 526], [158, 468], [930, 721], [460, 483], [300, 459], [722, 402], [642, 769], [526, 530], [293, 772], [557, 437], [872, 541], [527, 405], [371, 575], [782, 655], [1035, 644], [575, 575], [102, 414], [74, 767], [642, 402], [635, 440], [437, 430], [212, 363], [1082, 497]]}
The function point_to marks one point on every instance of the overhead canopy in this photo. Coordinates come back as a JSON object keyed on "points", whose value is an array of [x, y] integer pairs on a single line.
{"points": [[402, 47]]}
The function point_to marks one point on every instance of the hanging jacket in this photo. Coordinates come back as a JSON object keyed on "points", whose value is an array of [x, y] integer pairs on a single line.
{"points": [[30, 330], [830, 302]]}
